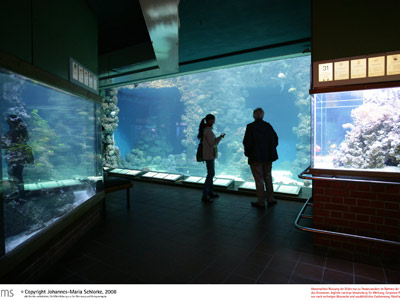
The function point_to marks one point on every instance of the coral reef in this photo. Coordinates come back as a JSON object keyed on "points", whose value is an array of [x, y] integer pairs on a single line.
{"points": [[11, 89], [29, 216], [109, 121], [224, 93], [373, 140]]}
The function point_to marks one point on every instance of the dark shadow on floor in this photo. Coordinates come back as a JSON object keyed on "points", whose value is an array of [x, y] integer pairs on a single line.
{"points": [[170, 236]]}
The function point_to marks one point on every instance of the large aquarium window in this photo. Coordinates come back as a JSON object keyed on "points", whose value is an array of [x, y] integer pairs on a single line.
{"points": [[50, 155], [357, 130], [154, 124]]}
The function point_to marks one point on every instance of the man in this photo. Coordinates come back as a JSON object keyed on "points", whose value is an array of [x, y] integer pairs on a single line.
{"points": [[260, 142]]}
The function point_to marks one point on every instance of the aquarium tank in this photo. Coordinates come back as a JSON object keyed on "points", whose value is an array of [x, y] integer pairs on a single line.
{"points": [[357, 130], [154, 125], [50, 155]]}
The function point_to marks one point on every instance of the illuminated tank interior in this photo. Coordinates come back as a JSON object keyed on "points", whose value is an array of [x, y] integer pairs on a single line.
{"points": [[59, 155], [154, 124]]}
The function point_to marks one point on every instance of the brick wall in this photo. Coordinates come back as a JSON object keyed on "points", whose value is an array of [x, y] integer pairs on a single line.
{"points": [[357, 208]]}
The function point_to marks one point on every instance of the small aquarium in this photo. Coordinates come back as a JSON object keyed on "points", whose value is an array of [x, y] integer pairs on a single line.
{"points": [[154, 125], [357, 130], [50, 155]]}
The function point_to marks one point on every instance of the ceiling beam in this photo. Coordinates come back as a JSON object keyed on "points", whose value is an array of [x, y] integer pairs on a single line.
{"points": [[162, 23]]}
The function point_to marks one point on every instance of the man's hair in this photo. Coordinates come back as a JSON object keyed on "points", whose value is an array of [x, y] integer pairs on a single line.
{"points": [[258, 113]]}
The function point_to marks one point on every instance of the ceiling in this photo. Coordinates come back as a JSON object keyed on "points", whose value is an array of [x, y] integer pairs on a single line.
{"points": [[209, 34]]}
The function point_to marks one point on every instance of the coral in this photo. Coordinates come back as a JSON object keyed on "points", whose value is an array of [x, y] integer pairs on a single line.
{"points": [[32, 215], [223, 93], [373, 140], [109, 121]]}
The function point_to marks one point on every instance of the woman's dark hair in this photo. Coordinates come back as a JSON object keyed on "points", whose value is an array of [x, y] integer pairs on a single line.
{"points": [[203, 123]]}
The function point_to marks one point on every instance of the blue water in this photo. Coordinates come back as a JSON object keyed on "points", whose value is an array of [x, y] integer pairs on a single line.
{"points": [[149, 112], [61, 132], [158, 122], [280, 113]]}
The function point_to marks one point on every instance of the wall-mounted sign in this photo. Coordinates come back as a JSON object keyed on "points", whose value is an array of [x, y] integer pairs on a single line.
{"points": [[342, 70], [82, 76], [358, 68], [376, 66], [325, 72], [75, 71], [393, 64]]}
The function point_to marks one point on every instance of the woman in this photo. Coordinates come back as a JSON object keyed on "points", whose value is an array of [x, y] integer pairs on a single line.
{"points": [[210, 153]]}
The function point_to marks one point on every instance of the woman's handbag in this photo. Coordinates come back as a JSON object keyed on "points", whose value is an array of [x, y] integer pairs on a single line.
{"points": [[199, 154]]}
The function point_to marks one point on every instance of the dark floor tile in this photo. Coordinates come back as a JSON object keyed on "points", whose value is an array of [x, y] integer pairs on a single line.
{"points": [[335, 277], [78, 263], [289, 254], [212, 275], [249, 270], [368, 259], [71, 279], [269, 247], [237, 279], [392, 276], [228, 261], [307, 271], [273, 277], [339, 265], [391, 263], [369, 271], [56, 275], [313, 259], [340, 254], [103, 274], [258, 258], [170, 236], [281, 265], [363, 280], [302, 280]]}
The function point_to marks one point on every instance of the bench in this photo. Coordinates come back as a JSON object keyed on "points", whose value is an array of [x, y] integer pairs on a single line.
{"points": [[113, 184]]}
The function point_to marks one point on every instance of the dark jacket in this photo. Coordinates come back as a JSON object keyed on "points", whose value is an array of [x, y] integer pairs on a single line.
{"points": [[260, 142]]}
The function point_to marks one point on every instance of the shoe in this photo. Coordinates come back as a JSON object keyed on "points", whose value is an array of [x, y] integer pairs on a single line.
{"points": [[272, 203], [255, 204], [206, 199], [214, 195]]}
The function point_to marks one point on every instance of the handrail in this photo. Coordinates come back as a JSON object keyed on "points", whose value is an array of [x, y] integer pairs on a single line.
{"points": [[335, 233], [334, 178]]}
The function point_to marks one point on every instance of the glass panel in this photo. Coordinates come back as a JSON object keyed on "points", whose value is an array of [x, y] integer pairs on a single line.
{"points": [[159, 120], [51, 159], [357, 130]]}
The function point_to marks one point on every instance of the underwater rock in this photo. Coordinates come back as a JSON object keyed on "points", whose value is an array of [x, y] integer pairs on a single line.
{"points": [[373, 140], [29, 216], [223, 93], [109, 121]]}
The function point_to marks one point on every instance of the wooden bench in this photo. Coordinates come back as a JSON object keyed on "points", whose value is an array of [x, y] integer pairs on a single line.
{"points": [[113, 184]]}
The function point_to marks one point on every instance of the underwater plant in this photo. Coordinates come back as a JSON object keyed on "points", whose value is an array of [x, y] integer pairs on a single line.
{"points": [[42, 142]]}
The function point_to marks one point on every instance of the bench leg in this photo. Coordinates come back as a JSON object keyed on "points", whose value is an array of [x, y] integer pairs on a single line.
{"points": [[128, 203]]}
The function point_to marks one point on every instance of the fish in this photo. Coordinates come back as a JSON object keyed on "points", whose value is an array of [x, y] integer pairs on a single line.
{"points": [[281, 75], [292, 89], [333, 146], [348, 126], [317, 148]]}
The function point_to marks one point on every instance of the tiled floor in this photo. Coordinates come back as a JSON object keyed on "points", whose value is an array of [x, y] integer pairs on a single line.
{"points": [[170, 236]]}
